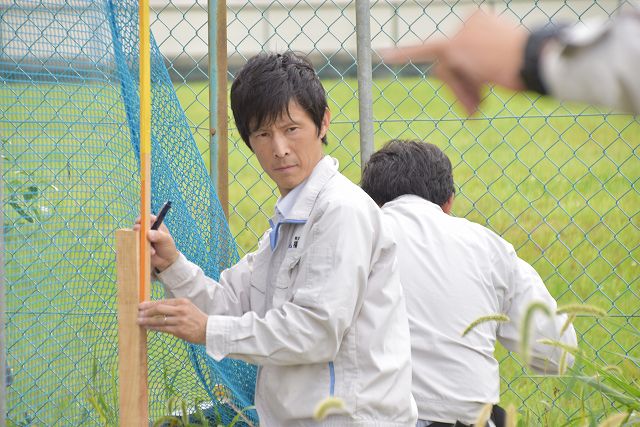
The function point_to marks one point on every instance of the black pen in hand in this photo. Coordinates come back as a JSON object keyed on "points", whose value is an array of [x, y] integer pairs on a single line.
{"points": [[161, 215]]}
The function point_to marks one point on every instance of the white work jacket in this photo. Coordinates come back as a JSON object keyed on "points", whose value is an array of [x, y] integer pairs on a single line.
{"points": [[596, 63], [318, 306], [453, 272]]}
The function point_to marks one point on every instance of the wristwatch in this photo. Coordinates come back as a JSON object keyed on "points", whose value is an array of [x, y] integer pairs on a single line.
{"points": [[530, 72]]}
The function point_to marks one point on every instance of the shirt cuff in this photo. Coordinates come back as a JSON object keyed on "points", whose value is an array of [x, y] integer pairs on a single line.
{"points": [[178, 273], [218, 341]]}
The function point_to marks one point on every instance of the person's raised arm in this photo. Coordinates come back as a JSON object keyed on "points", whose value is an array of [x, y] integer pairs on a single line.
{"points": [[487, 49], [183, 279], [589, 62], [596, 63]]}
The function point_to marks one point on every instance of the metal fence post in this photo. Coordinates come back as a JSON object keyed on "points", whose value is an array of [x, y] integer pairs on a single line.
{"points": [[217, 51], [365, 79], [213, 90], [3, 341]]}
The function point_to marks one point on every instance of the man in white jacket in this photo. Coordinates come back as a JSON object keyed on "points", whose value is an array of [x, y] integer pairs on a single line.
{"points": [[453, 272], [319, 305]]}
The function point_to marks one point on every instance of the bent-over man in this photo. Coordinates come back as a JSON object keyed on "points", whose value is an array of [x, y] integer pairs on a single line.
{"points": [[453, 272]]}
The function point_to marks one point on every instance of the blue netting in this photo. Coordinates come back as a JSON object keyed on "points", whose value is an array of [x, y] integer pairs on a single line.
{"points": [[69, 129]]}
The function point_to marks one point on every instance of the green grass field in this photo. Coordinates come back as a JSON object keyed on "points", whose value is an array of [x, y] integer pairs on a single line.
{"points": [[560, 183]]}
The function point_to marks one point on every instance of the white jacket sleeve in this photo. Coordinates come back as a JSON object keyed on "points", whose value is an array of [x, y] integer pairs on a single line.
{"points": [[597, 64], [328, 289], [524, 288], [230, 296]]}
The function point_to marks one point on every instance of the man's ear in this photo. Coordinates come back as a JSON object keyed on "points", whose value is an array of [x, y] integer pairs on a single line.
{"points": [[448, 205], [324, 126]]}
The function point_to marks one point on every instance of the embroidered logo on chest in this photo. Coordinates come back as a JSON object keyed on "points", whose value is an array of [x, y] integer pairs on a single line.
{"points": [[294, 242]]}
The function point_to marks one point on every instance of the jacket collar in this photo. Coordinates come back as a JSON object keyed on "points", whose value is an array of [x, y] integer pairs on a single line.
{"points": [[409, 199], [322, 173], [305, 197], [285, 204]]}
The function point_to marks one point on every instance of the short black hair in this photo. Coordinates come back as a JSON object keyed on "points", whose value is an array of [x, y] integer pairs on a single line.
{"points": [[265, 85], [408, 167]]}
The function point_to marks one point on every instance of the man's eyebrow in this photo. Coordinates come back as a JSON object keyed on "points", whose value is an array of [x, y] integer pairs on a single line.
{"points": [[281, 121], [263, 126], [287, 120]]}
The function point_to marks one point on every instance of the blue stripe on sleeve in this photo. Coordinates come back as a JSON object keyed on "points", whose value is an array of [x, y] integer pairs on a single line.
{"points": [[332, 378]]}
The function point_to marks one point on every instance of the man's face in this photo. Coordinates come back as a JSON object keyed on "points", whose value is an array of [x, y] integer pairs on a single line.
{"points": [[289, 148]]}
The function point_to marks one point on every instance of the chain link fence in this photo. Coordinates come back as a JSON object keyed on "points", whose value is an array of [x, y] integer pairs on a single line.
{"points": [[558, 181]]}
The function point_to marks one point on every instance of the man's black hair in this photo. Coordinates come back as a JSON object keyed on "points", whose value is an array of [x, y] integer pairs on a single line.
{"points": [[408, 167], [263, 88]]}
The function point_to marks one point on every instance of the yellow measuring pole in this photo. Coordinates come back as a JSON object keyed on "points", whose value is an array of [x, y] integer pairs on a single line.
{"points": [[145, 149], [134, 263]]}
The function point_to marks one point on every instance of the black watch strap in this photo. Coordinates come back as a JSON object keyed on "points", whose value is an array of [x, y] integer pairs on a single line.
{"points": [[530, 72]]}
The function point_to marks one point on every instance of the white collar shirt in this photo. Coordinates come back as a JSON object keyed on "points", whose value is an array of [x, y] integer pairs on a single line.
{"points": [[454, 271], [285, 204], [284, 211]]}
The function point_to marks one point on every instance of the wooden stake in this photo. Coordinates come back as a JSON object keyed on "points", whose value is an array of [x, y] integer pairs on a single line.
{"points": [[132, 339]]}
